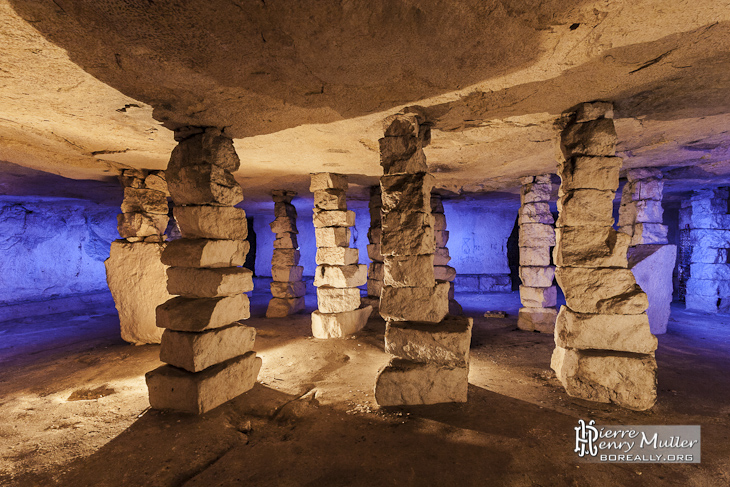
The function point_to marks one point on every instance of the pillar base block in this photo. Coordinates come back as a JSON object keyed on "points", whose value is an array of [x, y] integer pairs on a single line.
{"points": [[537, 319], [281, 307], [339, 325], [403, 382]]}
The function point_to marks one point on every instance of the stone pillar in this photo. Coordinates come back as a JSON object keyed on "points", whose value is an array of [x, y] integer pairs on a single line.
{"points": [[287, 287], [708, 284], [375, 269], [651, 260], [536, 236], [208, 351], [442, 271], [134, 273], [431, 363], [338, 272], [604, 347]]}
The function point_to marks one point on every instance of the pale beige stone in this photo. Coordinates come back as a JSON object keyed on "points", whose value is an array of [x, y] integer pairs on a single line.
{"points": [[441, 256], [337, 300], [537, 319], [282, 307], [535, 256], [144, 201], [594, 138], [415, 303], [586, 172], [444, 343], [198, 314], [593, 111], [285, 257], [409, 271], [336, 256], [330, 199], [538, 297], [202, 184], [216, 222], [286, 241], [643, 211], [208, 147], [585, 207], [286, 290], [375, 287], [537, 276], [333, 218], [407, 234], [626, 333], [141, 224], [285, 210], [444, 273], [535, 213], [590, 247], [158, 182], [209, 283], [628, 380], [327, 180], [340, 275], [374, 253], [648, 233], [186, 252], [403, 164], [287, 273], [601, 291], [535, 192], [403, 382], [536, 235], [332, 236], [339, 325], [376, 270], [652, 267], [406, 192], [197, 351], [441, 237], [401, 124], [284, 224], [179, 390], [136, 279]]}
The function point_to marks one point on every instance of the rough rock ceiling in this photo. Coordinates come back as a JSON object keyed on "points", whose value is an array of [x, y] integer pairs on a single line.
{"points": [[89, 87]]}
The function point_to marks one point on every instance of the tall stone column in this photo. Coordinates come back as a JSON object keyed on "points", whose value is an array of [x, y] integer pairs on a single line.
{"points": [[135, 275], [208, 351], [338, 271], [651, 259], [706, 216], [375, 269], [287, 287], [431, 363], [604, 348], [536, 236], [442, 271]]}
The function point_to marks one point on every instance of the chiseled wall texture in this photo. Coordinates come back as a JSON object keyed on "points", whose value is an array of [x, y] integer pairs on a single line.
{"points": [[53, 247]]}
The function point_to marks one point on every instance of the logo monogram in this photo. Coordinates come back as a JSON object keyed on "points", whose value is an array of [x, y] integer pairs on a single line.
{"points": [[585, 438]]}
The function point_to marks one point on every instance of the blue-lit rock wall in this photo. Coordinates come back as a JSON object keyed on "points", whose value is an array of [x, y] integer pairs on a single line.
{"points": [[53, 247]]}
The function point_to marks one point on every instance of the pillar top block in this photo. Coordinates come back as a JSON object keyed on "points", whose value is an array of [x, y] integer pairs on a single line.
{"points": [[593, 111], [328, 180], [282, 195]]}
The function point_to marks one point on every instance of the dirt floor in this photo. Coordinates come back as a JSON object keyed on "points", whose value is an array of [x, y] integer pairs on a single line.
{"points": [[74, 411]]}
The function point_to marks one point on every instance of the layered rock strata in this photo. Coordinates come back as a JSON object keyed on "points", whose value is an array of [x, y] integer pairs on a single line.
{"points": [[707, 274], [338, 273], [287, 286], [651, 259], [207, 349], [536, 237], [375, 269], [134, 273], [442, 271], [604, 347], [431, 350]]}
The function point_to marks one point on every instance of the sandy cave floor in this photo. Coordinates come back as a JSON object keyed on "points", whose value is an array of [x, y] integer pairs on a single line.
{"points": [[74, 411]]}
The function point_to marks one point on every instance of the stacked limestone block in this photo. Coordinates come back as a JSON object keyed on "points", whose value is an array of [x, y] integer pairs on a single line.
{"points": [[135, 275], [706, 216], [287, 287], [375, 269], [604, 347], [651, 259], [442, 271], [338, 272], [208, 351], [536, 237], [431, 363]]}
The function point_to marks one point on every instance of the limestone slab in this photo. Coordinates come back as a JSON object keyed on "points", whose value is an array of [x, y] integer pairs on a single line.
{"points": [[625, 333], [537, 319], [437, 205], [537, 276], [285, 257], [330, 199], [332, 236], [157, 182], [286, 290], [186, 252], [441, 237], [444, 273], [337, 300], [439, 221], [444, 343], [340, 276], [536, 235], [179, 390], [337, 256], [282, 307], [376, 270], [374, 287], [594, 138], [415, 303], [208, 147], [203, 184], [339, 325], [407, 234], [652, 267], [374, 234], [333, 218], [644, 211], [199, 314], [286, 241], [406, 192], [535, 213], [283, 224], [144, 201], [585, 172], [535, 256], [327, 180], [441, 256], [585, 207], [287, 273], [628, 380], [601, 291], [286, 210], [593, 111], [403, 382], [374, 252], [209, 283], [216, 222], [409, 271], [535, 192], [538, 297], [141, 224], [198, 351], [590, 247], [648, 233]]}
